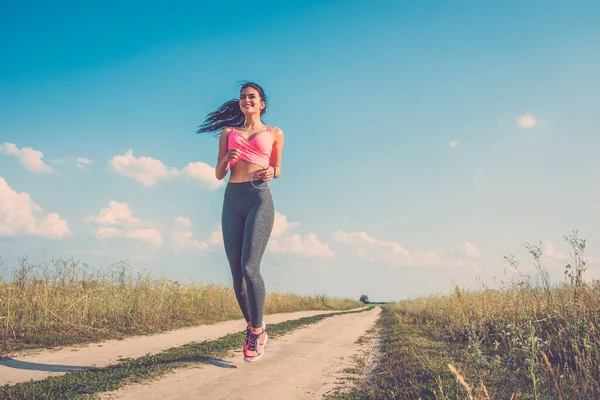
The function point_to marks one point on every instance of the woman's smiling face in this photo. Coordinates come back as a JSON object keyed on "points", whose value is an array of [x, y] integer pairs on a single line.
{"points": [[250, 101]]}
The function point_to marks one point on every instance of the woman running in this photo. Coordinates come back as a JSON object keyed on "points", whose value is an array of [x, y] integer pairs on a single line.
{"points": [[251, 150]]}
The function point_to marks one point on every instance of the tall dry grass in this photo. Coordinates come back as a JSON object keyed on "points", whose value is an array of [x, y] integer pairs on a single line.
{"points": [[64, 302], [545, 337]]}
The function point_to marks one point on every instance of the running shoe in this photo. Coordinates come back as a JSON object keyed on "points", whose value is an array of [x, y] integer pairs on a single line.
{"points": [[255, 347], [248, 331]]}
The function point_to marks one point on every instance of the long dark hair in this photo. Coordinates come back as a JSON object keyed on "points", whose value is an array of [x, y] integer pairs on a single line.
{"points": [[230, 114]]}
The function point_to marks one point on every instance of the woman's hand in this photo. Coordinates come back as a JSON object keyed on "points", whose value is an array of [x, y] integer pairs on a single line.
{"points": [[266, 173], [232, 154]]}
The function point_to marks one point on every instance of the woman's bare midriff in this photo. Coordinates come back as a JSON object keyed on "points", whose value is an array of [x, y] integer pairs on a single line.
{"points": [[242, 171]]}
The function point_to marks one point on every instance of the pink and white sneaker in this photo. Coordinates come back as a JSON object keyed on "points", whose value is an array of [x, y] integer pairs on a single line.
{"points": [[255, 346], [248, 331]]}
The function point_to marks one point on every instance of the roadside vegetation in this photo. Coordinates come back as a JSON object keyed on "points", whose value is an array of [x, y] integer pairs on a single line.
{"points": [[65, 302], [527, 340], [87, 383]]}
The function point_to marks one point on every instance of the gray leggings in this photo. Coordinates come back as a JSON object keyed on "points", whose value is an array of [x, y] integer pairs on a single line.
{"points": [[247, 221]]}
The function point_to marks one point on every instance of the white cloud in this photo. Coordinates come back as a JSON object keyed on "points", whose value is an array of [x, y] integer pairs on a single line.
{"points": [[479, 178], [201, 172], [372, 249], [306, 246], [183, 222], [29, 158], [184, 240], [281, 225], [116, 214], [555, 260], [20, 215], [467, 249], [549, 250], [117, 221], [454, 144], [146, 170], [80, 162], [526, 121], [150, 171]]}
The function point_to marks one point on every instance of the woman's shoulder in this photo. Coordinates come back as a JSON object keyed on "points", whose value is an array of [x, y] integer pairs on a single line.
{"points": [[227, 130], [224, 134], [277, 131]]}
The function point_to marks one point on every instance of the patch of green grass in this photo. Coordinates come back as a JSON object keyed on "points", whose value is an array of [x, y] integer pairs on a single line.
{"points": [[80, 384], [421, 361], [410, 364]]}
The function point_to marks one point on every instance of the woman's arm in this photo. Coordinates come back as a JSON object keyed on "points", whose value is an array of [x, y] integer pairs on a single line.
{"points": [[277, 150], [222, 159], [274, 168]]}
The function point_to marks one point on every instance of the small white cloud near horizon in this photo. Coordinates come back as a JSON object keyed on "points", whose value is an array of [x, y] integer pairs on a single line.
{"points": [[479, 178], [150, 171], [305, 246], [555, 260], [184, 240], [454, 144], [20, 215], [467, 249], [549, 250], [526, 121], [80, 162], [29, 158], [117, 221]]}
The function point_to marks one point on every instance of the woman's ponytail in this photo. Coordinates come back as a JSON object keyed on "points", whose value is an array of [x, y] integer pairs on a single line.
{"points": [[229, 114]]}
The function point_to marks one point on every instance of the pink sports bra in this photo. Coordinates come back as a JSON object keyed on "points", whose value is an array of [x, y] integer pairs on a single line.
{"points": [[257, 150]]}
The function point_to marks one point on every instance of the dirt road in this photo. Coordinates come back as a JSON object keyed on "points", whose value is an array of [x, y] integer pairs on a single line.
{"points": [[300, 365], [36, 365]]}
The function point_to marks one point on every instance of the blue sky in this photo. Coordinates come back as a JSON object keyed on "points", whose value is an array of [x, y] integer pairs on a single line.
{"points": [[423, 141]]}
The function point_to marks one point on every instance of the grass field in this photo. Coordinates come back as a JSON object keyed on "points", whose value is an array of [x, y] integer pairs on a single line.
{"points": [[524, 341], [64, 302]]}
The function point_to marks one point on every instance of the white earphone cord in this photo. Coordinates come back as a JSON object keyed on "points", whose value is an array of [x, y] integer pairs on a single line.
{"points": [[260, 188]]}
